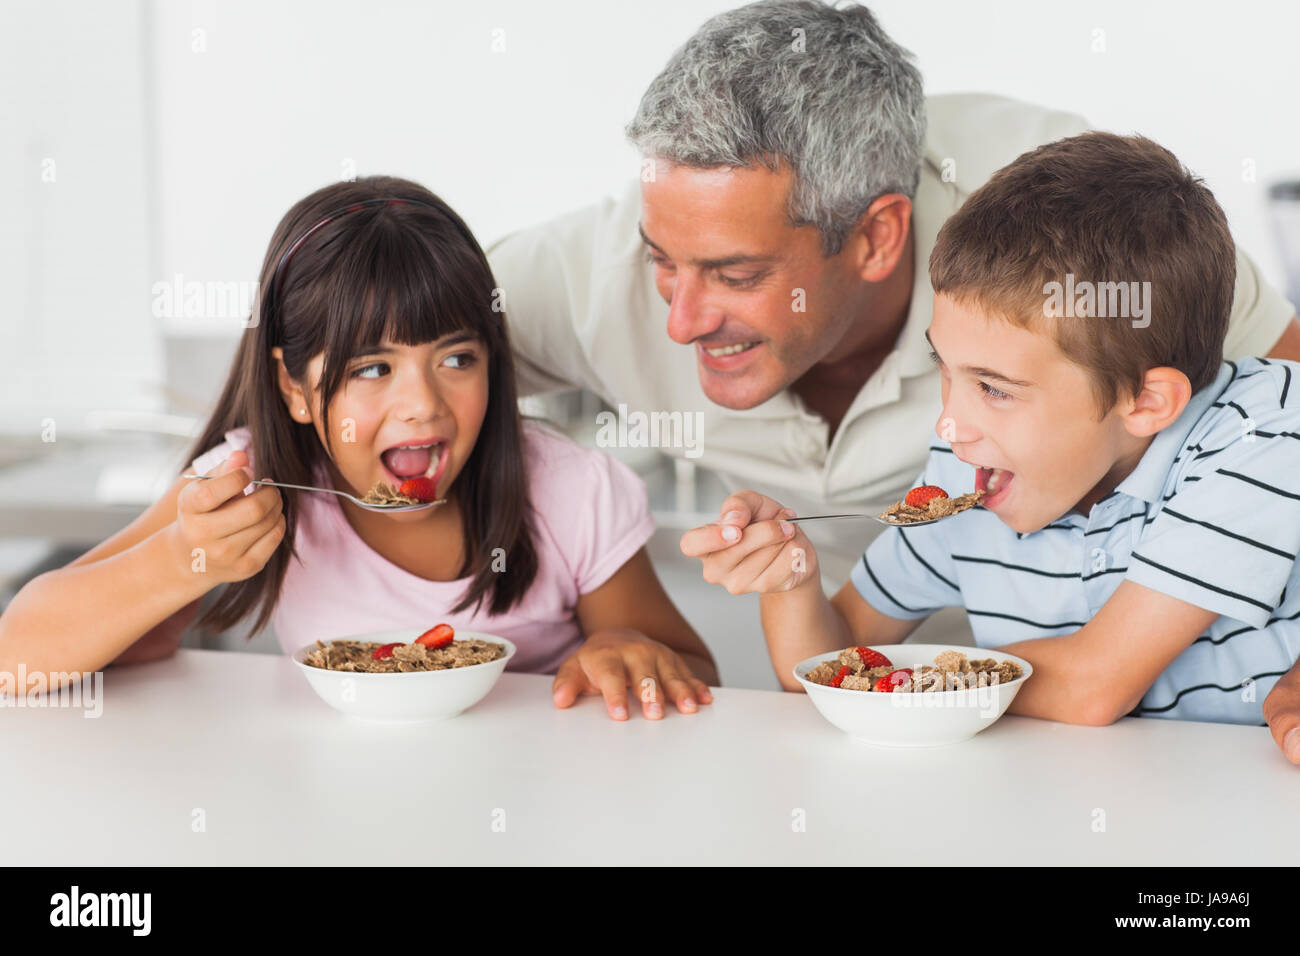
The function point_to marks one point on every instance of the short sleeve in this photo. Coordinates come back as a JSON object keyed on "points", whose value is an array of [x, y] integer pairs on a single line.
{"points": [[909, 573], [237, 439], [595, 507], [1227, 539], [545, 274], [1259, 313]]}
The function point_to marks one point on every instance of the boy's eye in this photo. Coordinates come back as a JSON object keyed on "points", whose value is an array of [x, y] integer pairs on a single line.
{"points": [[357, 373], [992, 392]]}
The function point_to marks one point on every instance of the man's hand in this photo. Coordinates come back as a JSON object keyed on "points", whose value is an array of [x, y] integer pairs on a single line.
{"points": [[752, 548], [610, 661], [1282, 711]]}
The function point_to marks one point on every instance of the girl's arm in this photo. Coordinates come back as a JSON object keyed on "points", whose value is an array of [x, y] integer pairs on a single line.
{"points": [[634, 633], [123, 592], [130, 597]]}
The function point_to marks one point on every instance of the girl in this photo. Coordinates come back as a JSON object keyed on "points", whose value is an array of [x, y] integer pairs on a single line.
{"points": [[378, 352]]}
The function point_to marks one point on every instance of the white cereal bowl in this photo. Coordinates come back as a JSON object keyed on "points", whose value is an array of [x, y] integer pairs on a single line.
{"points": [[913, 719], [410, 696]]}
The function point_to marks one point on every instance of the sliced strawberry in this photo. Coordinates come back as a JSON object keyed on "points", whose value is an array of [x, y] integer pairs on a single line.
{"points": [[873, 658], [385, 650], [423, 489], [922, 496], [893, 679], [842, 673], [440, 635]]}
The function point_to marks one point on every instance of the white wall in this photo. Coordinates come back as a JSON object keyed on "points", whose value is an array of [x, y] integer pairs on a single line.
{"points": [[77, 216], [254, 104]]}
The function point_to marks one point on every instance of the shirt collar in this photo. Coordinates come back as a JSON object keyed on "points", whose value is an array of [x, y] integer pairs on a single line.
{"points": [[1147, 480]]}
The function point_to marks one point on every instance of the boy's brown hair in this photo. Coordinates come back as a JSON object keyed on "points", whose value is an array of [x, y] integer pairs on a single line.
{"points": [[1101, 208]]}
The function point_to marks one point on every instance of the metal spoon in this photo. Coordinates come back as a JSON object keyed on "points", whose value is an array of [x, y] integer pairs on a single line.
{"points": [[386, 509], [892, 524]]}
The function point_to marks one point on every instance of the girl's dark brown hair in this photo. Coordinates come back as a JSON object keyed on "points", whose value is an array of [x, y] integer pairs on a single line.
{"points": [[404, 272]]}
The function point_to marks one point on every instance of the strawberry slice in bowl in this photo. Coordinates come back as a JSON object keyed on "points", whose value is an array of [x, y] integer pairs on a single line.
{"points": [[411, 695], [894, 710]]}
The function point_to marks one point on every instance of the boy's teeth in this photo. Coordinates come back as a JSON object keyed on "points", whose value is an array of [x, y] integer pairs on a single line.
{"points": [[730, 349]]}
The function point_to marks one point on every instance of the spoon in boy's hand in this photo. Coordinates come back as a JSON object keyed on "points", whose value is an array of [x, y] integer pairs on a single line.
{"points": [[369, 506], [924, 505]]}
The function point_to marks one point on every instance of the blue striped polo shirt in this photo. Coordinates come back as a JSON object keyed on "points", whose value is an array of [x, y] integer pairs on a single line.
{"points": [[1210, 515]]}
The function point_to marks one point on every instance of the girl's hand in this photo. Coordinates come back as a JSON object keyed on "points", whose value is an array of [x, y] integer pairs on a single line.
{"points": [[610, 661], [223, 533], [1282, 711], [751, 548]]}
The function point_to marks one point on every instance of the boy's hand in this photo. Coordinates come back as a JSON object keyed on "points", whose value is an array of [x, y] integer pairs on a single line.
{"points": [[1282, 711], [752, 548], [610, 661], [221, 531]]}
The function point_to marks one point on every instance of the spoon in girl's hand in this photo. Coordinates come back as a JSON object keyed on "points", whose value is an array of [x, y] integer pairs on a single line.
{"points": [[386, 509]]}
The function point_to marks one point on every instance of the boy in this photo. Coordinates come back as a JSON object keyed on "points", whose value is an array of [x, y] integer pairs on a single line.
{"points": [[1138, 537]]}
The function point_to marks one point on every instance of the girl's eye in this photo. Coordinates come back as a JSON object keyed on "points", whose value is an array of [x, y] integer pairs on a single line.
{"points": [[934, 357], [357, 373], [992, 392], [462, 359]]}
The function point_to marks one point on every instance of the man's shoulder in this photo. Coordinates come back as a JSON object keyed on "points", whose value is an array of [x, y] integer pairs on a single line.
{"points": [[979, 133], [602, 231]]}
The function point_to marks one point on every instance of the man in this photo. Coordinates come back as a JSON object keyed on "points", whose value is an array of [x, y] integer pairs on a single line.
{"points": [[791, 195]]}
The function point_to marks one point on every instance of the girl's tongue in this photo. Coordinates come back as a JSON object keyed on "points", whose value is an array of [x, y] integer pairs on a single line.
{"points": [[409, 462]]}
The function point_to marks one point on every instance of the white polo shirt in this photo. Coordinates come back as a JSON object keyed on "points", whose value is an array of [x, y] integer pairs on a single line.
{"points": [[583, 311]]}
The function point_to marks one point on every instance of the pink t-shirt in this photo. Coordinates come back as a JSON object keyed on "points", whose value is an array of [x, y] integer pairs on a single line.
{"points": [[591, 515]]}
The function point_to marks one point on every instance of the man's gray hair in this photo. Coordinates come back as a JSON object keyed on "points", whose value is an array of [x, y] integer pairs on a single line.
{"points": [[821, 88]]}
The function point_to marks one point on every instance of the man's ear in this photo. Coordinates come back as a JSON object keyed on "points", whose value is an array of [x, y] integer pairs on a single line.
{"points": [[880, 236], [1165, 393], [294, 398]]}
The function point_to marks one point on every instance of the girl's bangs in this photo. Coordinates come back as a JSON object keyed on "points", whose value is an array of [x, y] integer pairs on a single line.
{"points": [[416, 290]]}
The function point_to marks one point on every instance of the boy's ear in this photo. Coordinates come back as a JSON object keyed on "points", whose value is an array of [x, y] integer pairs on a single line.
{"points": [[294, 399], [1165, 393]]}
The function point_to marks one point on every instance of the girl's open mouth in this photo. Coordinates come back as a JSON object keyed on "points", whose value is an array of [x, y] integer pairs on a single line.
{"points": [[994, 482], [425, 460]]}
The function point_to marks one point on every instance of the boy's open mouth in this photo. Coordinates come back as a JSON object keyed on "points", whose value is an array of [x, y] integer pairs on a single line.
{"points": [[416, 460], [994, 482]]}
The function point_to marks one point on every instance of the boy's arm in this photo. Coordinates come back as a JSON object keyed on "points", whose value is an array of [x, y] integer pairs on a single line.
{"points": [[802, 622], [1282, 711], [1099, 673]]}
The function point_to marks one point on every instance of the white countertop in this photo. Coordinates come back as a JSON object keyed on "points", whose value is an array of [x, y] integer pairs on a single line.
{"points": [[281, 778]]}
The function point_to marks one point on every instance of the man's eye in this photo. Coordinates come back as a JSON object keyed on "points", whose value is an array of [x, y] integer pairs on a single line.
{"points": [[461, 359], [357, 373], [655, 259], [739, 282], [992, 392]]}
